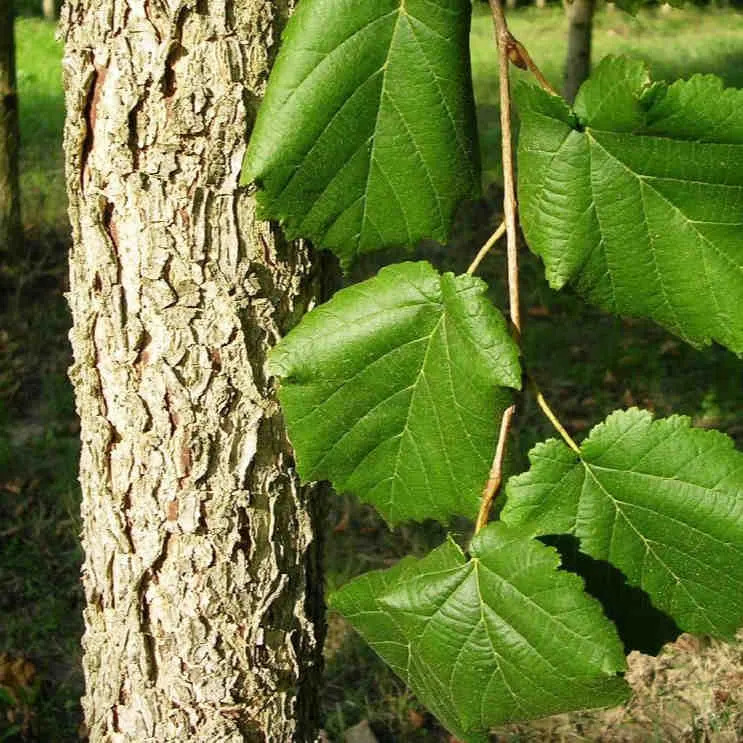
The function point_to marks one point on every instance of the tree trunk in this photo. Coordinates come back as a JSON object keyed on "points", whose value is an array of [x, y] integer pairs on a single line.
{"points": [[49, 9], [580, 30], [10, 192], [201, 574]]}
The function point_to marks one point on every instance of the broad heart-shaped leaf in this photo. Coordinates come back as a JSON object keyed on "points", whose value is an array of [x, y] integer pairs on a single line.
{"points": [[635, 197], [394, 390], [502, 636], [366, 138], [659, 500]]}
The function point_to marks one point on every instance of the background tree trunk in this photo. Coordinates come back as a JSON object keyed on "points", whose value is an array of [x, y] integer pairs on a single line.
{"points": [[49, 9], [204, 604], [580, 30], [10, 193]]}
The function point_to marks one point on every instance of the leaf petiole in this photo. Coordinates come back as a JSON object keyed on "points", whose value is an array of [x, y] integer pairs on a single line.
{"points": [[553, 419], [485, 249]]}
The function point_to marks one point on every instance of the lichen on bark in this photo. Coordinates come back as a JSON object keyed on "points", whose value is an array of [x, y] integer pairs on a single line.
{"points": [[204, 606]]}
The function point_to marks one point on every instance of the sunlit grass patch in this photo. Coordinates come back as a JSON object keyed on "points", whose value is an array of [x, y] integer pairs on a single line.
{"points": [[39, 71]]}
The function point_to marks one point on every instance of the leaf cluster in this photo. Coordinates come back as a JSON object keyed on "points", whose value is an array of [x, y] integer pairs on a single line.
{"points": [[395, 389]]}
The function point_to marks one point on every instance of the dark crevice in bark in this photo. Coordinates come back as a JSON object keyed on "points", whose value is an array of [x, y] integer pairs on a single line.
{"points": [[146, 627], [169, 81], [90, 112], [244, 544], [311, 676]]}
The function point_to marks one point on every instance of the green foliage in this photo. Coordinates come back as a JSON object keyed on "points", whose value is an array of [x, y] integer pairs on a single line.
{"points": [[366, 138], [498, 636], [636, 200], [674, 45], [395, 389], [661, 501]]}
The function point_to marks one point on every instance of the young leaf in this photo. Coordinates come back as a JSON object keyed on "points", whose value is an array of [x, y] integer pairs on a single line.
{"points": [[661, 501], [394, 389], [635, 197], [366, 138], [502, 636]]}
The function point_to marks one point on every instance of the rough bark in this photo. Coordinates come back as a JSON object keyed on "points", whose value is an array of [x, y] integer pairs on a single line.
{"points": [[10, 193], [49, 9], [580, 31], [204, 605]]}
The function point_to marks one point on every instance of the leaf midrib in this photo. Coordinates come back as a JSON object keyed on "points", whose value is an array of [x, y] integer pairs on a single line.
{"points": [[364, 215], [395, 476]]}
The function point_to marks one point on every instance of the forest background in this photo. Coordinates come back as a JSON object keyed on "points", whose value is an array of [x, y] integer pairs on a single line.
{"points": [[586, 362]]}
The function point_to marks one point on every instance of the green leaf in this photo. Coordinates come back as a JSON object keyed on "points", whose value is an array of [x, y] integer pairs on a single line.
{"points": [[360, 601], [609, 99], [502, 636], [640, 625], [366, 138], [394, 390], [659, 500], [636, 198]]}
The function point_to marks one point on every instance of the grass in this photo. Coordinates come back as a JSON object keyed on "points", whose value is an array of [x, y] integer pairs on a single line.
{"points": [[41, 119], [588, 364], [40, 556]]}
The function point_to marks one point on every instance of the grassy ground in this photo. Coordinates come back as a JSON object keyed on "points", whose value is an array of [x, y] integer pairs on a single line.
{"points": [[40, 596], [586, 362], [42, 118]]}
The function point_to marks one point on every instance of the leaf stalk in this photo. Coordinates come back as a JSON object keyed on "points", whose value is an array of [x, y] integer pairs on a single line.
{"points": [[485, 249], [520, 56], [554, 420]]}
